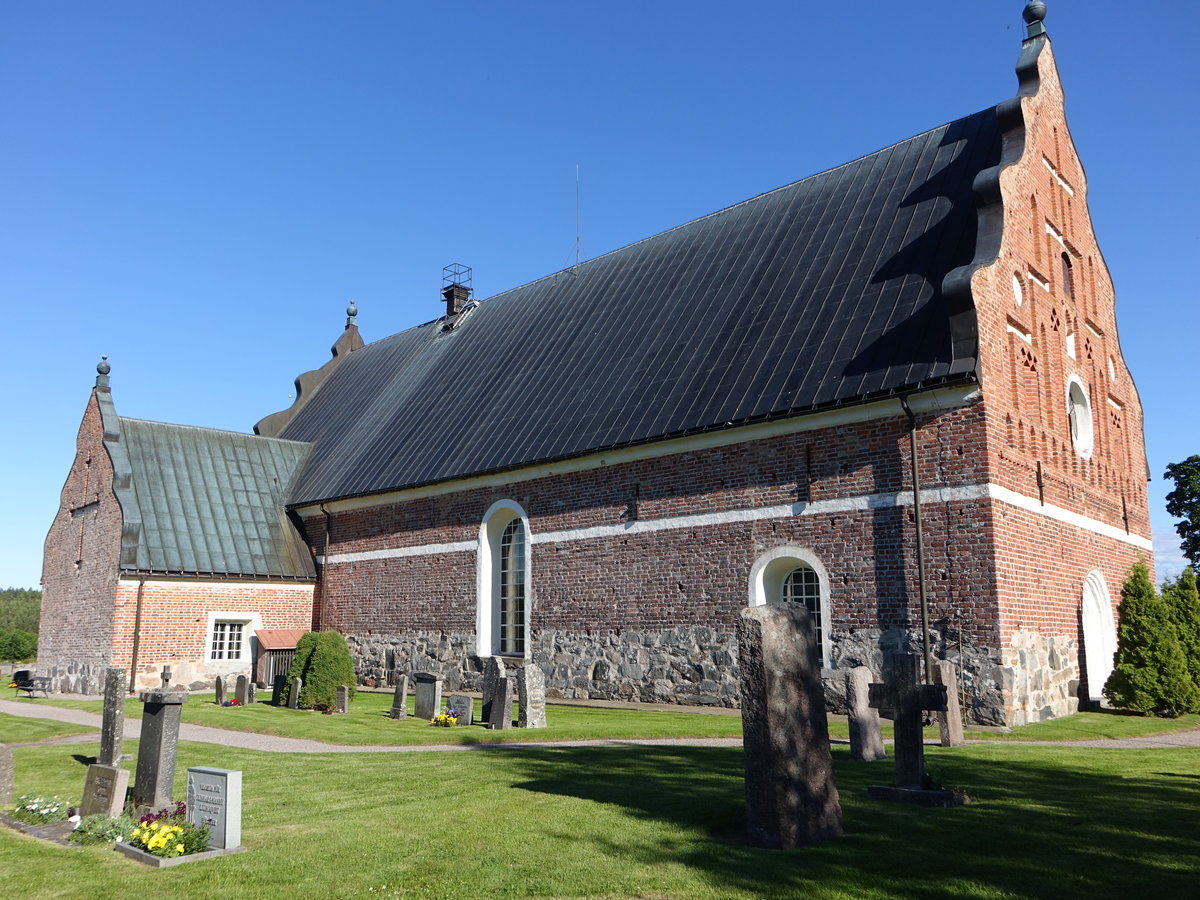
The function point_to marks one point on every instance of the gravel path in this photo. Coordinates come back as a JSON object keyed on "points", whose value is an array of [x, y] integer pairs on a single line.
{"points": [[272, 744]]}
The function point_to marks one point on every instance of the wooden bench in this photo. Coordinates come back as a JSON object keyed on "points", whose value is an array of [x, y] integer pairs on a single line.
{"points": [[26, 681]]}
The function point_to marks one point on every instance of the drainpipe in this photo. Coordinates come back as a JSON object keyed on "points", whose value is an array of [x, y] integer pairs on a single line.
{"points": [[137, 635], [319, 610], [916, 484]]}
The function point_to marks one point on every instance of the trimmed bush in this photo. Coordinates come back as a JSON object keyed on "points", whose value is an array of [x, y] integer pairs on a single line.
{"points": [[1151, 673], [322, 663], [1182, 597]]}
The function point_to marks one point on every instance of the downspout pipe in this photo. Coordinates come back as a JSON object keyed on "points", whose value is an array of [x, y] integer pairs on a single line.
{"points": [[921, 582], [137, 635]]}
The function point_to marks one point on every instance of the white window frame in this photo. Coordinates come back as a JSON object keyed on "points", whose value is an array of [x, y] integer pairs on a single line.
{"points": [[487, 579], [768, 574], [1080, 417], [250, 623]]}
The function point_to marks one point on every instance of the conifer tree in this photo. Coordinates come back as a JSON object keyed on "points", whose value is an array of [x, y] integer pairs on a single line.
{"points": [[322, 662], [1150, 674], [1182, 597]]}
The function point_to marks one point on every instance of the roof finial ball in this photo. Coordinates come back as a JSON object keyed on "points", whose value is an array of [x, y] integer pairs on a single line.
{"points": [[351, 314], [102, 367], [1035, 12]]}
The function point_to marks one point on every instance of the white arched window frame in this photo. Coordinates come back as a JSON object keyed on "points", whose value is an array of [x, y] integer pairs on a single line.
{"points": [[503, 599], [769, 574], [1099, 633], [1079, 412]]}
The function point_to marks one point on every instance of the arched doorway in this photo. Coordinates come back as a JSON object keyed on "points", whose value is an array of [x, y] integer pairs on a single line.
{"points": [[1099, 634]]}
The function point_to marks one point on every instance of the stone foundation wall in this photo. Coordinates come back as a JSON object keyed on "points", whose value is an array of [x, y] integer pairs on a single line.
{"points": [[1040, 677], [72, 678], [690, 665]]}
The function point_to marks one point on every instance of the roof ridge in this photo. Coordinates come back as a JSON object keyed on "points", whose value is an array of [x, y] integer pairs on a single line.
{"points": [[245, 434]]}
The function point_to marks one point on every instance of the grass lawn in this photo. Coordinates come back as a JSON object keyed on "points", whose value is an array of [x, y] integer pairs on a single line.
{"points": [[14, 730], [649, 822]]}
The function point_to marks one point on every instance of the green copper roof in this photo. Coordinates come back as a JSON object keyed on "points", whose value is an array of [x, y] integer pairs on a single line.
{"points": [[209, 502]]}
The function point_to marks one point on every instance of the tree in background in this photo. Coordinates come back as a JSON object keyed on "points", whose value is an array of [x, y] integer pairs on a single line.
{"points": [[19, 612], [1150, 672], [1184, 503], [1182, 598], [322, 662]]}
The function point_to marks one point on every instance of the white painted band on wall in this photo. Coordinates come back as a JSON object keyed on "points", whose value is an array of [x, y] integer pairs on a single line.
{"points": [[859, 503]]}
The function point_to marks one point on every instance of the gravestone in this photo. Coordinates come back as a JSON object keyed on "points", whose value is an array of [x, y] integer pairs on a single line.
{"points": [[279, 690], [429, 695], [220, 689], [214, 798], [500, 711], [6, 775], [399, 708], [104, 790], [112, 727], [791, 798], [464, 706], [252, 692], [949, 720], [866, 737], [343, 699], [908, 699], [531, 695], [241, 692], [294, 693], [493, 671], [155, 776]]}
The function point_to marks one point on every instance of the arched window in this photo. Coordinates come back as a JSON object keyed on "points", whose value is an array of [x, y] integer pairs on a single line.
{"points": [[1068, 284], [502, 608], [795, 575], [1079, 411]]}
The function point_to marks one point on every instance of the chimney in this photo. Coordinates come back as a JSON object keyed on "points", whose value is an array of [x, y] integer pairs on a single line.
{"points": [[456, 298], [456, 288]]}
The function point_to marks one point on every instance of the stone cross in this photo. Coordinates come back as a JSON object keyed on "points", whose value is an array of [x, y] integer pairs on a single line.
{"points": [[294, 695], [907, 699], [399, 708], [219, 686], [866, 737], [464, 706], [531, 695], [242, 690], [493, 671], [429, 695], [949, 720], [104, 790], [500, 711], [155, 777], [112, 728], [791, 798], [343, 699], [166, 679]]}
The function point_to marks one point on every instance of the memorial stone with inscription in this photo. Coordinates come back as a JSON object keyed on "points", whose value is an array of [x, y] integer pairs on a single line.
{"points": [[155, 776], [294, 694], [500, 716], [493, 671], [219, 686], [112, 727], [866, 736], [399, 708], [531, 695], [241, 692], [463, 705], [343, 699], [950, 722], [429, 695], [104, 790], [214, 798]]}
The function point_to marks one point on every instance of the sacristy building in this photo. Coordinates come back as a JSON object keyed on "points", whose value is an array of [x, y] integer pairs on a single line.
{"points": [[597, 471]]}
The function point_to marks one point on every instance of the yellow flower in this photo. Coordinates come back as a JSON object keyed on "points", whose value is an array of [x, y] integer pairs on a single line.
{"points": [[179, 848], [154, 826]]}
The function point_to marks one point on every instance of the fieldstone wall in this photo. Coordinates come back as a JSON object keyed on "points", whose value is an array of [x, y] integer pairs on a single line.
{"points": [[73, 678], [1040, 676], [690, 665]]}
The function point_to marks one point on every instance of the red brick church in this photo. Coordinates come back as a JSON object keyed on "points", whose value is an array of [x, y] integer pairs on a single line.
{"points": [[597, 471]]}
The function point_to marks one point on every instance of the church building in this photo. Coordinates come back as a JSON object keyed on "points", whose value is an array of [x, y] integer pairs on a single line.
{"points": [[891, 391]]}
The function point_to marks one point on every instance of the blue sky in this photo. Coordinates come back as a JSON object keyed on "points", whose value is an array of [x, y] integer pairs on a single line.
{"points": [[198, 189]]}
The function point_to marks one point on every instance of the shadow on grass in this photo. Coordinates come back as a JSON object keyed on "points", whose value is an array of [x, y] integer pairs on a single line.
{"points": [[1042, 823], [84, 760]]}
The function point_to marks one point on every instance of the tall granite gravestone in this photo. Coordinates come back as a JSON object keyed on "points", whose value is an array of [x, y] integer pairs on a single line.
{"points": [[429, 695], [294, 693], [493, 671], [6, 775], [155, 776], [112, 727], [531, 695], [343, 699], [104, 790], [500, 711], [907, 698], [241, 692], [791, 798], [463, 706], [279, 690], [214, 798], [399, 708], [252, 692], [950, 719], [220, 689], [866, 737]]}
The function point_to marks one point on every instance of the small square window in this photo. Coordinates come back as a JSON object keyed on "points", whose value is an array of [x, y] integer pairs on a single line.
{"points": [[226, 640]]}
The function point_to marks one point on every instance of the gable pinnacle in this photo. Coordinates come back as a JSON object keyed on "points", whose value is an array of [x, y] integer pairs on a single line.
{"points": [[1035, 12], [351, 314], [102, 370]]}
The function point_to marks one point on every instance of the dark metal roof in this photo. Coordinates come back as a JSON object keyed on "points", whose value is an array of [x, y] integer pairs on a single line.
{"points": [[824, 292], [210, 502]]}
